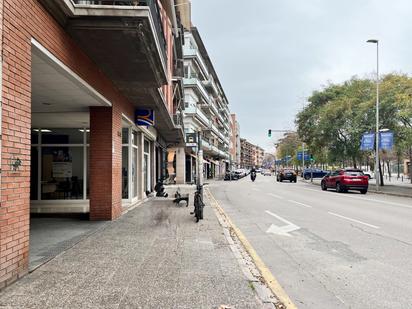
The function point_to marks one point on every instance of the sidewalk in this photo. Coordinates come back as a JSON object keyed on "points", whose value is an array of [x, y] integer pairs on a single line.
{"points": [[404, 190], [155, 256]]}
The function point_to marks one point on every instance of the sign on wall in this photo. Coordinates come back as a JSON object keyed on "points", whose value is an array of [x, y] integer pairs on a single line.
{"points": [[191, 139], [144, 117], [62, 169]]}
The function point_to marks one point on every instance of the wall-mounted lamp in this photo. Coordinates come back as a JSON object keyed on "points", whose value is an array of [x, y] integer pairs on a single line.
{"points": [[15, 164]]}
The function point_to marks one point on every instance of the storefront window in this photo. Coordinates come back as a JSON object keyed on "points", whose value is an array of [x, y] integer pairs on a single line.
{"points": [[62, 136], [125, 135], [134, 169], [125, 172], [34, 136], [62, 170], [34, 173]]}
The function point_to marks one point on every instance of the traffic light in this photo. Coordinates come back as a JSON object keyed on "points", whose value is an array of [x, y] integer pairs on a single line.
{"points": [[269, 133]]}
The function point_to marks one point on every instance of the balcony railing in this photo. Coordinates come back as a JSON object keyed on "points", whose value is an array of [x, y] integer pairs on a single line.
{"points": [[154, 10]]}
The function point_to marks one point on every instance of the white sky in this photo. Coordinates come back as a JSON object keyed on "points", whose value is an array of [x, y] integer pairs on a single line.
{"points": [[271, 54]]}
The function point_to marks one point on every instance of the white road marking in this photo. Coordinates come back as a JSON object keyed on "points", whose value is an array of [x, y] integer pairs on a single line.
{"points": [[281, 230], [353, 220], [364, 199], [274, 195], [299, 203]]}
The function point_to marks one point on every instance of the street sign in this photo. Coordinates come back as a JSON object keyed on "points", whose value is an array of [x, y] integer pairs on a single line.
{"points": [[368, 141], [386, 140], [299, 156]]}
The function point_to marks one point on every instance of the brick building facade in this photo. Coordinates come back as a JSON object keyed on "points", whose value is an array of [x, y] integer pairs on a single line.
{"points": [[69, 95], [250, 155]]}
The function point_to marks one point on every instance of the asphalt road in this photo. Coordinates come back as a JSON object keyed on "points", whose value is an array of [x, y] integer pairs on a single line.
{"points": [[327, 249]]}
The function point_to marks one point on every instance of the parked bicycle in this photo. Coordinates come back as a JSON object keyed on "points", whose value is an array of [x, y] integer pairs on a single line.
{"points": [[198, 203]]}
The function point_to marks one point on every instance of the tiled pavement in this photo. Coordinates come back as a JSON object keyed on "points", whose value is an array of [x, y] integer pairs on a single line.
{"points": [[155, 256]]}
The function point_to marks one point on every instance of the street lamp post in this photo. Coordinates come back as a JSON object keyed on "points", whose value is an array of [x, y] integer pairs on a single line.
{"points": [[377, 114]]}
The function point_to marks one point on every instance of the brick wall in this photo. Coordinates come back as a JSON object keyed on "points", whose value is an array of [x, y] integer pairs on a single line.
{"points": [[23, 20]]}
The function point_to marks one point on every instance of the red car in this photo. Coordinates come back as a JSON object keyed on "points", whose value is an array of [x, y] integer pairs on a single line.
{"points": [[346, 179]]}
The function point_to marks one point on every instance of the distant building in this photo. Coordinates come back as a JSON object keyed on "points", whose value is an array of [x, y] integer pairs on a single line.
{"points": [[235, 146], [250, 155]]}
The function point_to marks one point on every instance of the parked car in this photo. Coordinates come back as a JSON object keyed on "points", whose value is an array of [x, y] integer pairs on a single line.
{"points": [[231, 175], [240, 173], [315, 173], [368, 174], [286, 174], [346, 179]]}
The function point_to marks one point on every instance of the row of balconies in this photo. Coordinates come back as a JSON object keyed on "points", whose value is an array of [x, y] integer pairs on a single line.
{"points": [[127, 42]]}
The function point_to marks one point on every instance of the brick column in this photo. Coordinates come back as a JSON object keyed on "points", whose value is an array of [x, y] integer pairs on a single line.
{"points": [[15, 104], [105, 163]]}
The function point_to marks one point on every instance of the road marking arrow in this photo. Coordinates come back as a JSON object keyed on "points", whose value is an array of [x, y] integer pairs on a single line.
{"points": [[281, 230]]}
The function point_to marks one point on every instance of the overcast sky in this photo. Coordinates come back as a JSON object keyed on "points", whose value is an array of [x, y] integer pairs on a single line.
{"points": [[271, 54]]}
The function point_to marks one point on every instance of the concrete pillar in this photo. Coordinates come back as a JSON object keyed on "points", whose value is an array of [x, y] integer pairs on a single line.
{"points": [[105, 163], [180, 165], [200, 173]]}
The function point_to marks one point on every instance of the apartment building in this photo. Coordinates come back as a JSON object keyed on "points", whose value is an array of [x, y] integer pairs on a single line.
{"points": [[235, 147], [206, 116], [259, 156], [250, 155], [90, 102]]}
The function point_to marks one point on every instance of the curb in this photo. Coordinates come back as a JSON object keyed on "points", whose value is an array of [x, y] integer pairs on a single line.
{"points": [[266, 275], [369, 190]]}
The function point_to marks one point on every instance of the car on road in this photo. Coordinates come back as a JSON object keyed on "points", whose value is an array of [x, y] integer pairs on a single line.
{"points": [[286, 174], [266, 173], [231, 175], [343, 180], [313, 172]]}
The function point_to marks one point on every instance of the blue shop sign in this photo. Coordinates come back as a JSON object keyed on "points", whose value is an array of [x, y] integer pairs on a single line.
{"points": [[144, 117]]}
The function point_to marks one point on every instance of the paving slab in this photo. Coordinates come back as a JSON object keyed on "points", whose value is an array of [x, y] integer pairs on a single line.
{"points": [[154, 256]]}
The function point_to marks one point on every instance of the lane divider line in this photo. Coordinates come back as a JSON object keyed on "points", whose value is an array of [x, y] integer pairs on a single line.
{"points": [[364, 199], [353, 220], [267, 276], [299, 203], [276, 196]]}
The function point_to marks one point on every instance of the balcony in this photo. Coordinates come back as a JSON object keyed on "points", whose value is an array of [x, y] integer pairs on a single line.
{"points": [[194, 82], [124, 38], [198, 114], [211, 86], [191, 53]]}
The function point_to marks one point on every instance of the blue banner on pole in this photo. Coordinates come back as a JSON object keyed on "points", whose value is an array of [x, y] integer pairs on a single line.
{"points": [[299, 156], [386, 140], [368, 141]]}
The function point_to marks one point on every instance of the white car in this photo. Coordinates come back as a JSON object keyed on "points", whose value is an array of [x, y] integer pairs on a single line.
{"points": [[266, 173]]}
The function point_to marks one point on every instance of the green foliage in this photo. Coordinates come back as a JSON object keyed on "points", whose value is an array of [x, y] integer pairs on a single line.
{"points": [[333, 122]]}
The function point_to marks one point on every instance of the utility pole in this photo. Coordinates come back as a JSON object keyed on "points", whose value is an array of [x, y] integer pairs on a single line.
{"points": [[377, 167], [303, 158], [199, 180]]}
